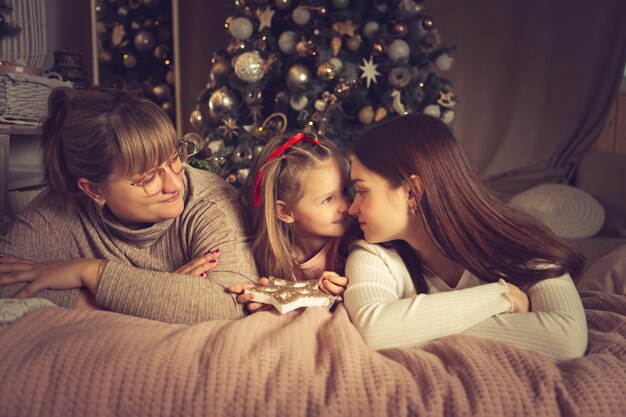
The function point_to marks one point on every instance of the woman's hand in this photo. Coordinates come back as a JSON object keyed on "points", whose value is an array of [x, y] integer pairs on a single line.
{"points": [[332, 283], [247, 299], [57, 275], [202, 265], [521, 303]]}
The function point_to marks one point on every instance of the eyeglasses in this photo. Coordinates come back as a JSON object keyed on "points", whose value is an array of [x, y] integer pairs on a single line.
{"points": [[152, 182]]}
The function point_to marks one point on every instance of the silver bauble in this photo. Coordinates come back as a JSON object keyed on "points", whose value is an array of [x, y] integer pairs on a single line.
{"points": [[249, 67], [287, 42], [398, 51], [240, 28]]}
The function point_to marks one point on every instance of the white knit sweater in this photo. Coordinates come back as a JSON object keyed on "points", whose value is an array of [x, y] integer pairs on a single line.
{"points": [[382, 303]]}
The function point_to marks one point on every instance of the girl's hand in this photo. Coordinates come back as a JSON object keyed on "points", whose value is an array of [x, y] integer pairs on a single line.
{"points": [[57, 275], [202, 265], [332, 283], [247, 299], [521, 303]]}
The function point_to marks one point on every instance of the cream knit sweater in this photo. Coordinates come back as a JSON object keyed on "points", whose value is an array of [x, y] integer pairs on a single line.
{"points": [[137, 279], [382, 302]]}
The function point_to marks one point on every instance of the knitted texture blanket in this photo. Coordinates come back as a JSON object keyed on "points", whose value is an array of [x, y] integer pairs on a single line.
{"points": [[63, 362]]}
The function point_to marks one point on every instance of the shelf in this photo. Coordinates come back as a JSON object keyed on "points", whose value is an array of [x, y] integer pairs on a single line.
{"points": [[6, 129], [24, 178]]}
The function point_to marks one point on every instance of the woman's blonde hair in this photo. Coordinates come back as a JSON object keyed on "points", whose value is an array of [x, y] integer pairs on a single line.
{"points": [[271, 239], [88, 134]]}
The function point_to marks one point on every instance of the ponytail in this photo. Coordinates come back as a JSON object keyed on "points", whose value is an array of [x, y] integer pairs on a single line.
{"points": [[55, 171]]}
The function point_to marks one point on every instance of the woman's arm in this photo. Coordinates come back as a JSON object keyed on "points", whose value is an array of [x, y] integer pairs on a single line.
{"points": [[381, 302], [555, 327]]}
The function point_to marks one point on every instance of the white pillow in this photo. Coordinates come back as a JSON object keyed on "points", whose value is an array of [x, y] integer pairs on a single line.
{"points": [[568, 211]]}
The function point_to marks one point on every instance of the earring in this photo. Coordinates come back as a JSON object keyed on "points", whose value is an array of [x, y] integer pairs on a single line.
{"points": [[100, 203], [413, 209]]}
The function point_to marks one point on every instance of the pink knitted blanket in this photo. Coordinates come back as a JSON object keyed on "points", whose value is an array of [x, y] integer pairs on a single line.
{"points": [[60, 362]]}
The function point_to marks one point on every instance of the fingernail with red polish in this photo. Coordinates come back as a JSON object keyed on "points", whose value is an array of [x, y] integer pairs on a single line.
{"points": [[215, 251], [203, 274], [212, 261]]}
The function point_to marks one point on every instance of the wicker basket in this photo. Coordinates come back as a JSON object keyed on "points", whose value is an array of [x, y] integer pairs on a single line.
{"points": [[24, 97]]}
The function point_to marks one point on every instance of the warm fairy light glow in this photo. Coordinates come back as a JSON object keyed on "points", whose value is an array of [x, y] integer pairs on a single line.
{"points": [[167, 62]]}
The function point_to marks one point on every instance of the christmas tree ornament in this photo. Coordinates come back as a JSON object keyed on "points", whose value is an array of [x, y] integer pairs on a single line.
{"points": [[369, 71], [381, 8], [287, 42], [216, 146], [242, 154], [301, 15], [343, 88], [161, 52], [170, 77], [354, 43], [370, 30], [335, 45], [319, 105], [366, 115], [337, 63], [242, 174], [229, 128], [396, 103], [444, 62], [240, 28], [432, 110], [129, 60], [168, 106], [123, 11], [150, 4], [298, 77], [249, 66], [135, 25], [378, 48], [232, 178], [105, 56], [398, 51], [409, 7], [298, 102], [341, 4], [428, 24], [257, 150], [194, 140], [399, 77], [117, 34], [219, 72], [282, 4], [446, 99], [346, 28], [400, 29], [253, 94], [162, 91], [448, 116], [223, 101], [196, 119], [134, 4], [265, 18], [144, 41], [327, 71], [380, 114]]}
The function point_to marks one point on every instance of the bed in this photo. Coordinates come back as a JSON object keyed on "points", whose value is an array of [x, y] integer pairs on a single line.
{"points": [[64, 362]]}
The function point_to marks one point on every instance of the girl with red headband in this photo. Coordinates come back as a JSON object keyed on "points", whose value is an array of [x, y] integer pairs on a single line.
{"points": [[297, 213]]}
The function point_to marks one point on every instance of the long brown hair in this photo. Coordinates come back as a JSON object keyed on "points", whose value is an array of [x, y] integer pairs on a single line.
{"points": [[271, 239], [88, 134], [468, 222]]}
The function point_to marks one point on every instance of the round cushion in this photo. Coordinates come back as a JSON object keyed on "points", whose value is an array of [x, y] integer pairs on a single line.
{"points": [[568, 211]]}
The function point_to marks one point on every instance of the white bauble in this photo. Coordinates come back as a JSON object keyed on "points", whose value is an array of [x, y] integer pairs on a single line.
{"points": [[432, 110], [398, 51], [241, 28], [287, 42], [444, 62]]}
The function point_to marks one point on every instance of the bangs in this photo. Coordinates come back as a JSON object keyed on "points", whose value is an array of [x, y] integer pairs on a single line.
{"points": [[146, 138]]}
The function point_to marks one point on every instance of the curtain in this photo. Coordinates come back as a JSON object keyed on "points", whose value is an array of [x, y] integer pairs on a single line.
{"points": [[535, 81]]}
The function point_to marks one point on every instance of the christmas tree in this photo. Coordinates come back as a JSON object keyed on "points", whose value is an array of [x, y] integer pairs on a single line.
{"points": [[330, 67], [7, 29], [135, 48]]}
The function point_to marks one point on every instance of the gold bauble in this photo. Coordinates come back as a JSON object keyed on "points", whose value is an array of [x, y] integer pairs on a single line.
{"points": [[377, 48], [162, 91], [168, 106], [380, 114], [366, 115], [195, 118], [326, 71], [353, 43]]}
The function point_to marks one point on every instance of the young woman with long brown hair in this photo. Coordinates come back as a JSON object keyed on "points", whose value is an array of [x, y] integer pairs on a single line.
{"points": [[443, 255]]}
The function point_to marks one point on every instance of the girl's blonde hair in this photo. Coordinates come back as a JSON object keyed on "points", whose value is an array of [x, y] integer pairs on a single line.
{"points": [[88, 134], [271, 239]]}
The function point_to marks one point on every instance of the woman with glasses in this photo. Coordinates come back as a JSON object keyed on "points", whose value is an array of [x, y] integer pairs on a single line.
{"points": [[124, 224]]}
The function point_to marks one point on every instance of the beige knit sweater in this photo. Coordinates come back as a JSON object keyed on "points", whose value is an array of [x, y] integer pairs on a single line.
{"points": [[138, 279]]}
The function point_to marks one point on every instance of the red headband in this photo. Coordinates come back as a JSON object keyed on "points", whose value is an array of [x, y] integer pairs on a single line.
{"points": [[298, 137]]}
